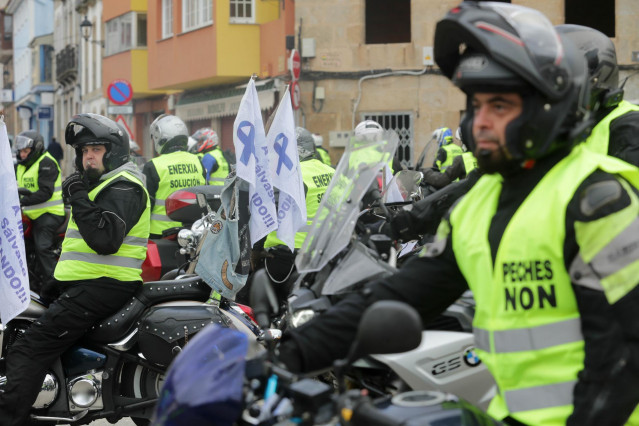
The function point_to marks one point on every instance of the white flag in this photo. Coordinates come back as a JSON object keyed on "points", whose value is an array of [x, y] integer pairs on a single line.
{"points": [[286, 173], [252, 164], [14, 278]]}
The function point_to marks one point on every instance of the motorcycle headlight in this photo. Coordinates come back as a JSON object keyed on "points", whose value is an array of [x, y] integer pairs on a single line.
{"points": [[302, 316], [185, 237]]}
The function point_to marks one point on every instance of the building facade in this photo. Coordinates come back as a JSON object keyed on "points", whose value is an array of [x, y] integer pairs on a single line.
{"points": [[33, 65], [208, 50], [373, 59]]}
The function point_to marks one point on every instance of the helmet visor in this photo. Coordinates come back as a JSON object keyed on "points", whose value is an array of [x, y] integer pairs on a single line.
{"points": [[23, 142], [90, 129], [534, 30]]}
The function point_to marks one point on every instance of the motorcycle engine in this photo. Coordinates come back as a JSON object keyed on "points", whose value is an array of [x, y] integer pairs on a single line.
{"points": [[48, 392], [86, 391]]}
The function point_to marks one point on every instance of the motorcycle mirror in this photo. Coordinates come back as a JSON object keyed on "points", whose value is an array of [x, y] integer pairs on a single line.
{"points": [[263, 299], [386, 327]]}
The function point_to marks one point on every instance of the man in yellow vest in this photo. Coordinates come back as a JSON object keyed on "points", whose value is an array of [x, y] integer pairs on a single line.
{"points": [[38, 175], [100, 265], [617, 120], [211, 156], [547, 239], [174, 169], [279, 262], [461, 166], [322, 153], [447, 149]]}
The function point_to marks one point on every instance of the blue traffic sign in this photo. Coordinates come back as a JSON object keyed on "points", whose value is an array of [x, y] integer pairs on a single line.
{"points": [[120, 92]]}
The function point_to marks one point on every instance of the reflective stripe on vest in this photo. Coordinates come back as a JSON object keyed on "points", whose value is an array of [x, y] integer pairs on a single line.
{"points": [[177, 170], [527, 323], [218, 176], [316, 176], [529, 339], [598, 140], [452, 151], [79, 262], [28, 178]]}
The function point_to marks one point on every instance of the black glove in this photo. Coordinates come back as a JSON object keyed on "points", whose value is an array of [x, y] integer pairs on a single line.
{"points": [[401, 226], [74, 184]]}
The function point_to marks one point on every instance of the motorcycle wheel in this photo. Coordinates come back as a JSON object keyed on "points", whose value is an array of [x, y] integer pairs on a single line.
{"points": [[140, 382]]}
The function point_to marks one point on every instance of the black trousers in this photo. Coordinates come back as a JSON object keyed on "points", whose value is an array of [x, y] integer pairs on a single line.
{"points": [[44, 229], [63, 324]]}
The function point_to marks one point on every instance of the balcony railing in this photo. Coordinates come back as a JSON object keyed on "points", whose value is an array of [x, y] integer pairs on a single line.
{"points": [[66, 67]]}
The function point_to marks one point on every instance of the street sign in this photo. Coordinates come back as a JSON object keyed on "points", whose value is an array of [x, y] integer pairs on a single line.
{"points": [[120, 120], [120, 92], [45, 113], [296, 94], [120, 109], [295, 65]]}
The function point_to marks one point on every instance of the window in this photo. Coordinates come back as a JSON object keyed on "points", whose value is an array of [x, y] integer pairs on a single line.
{"points": [[125, 32], [46, 63], [141, 30], [8, 27], [196, 14], [402, 123], [387, 21], [167, 18], [242, 11], [596, 14]]}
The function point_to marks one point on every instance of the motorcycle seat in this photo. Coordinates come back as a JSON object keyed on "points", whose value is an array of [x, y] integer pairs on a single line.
{"points": [[151, 293]]}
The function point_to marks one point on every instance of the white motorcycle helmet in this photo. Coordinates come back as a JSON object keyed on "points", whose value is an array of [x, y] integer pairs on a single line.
{"points": [[369, 129]]}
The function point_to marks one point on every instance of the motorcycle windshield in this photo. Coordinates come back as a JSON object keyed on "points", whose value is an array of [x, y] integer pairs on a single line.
{"points": [[337, 214]]}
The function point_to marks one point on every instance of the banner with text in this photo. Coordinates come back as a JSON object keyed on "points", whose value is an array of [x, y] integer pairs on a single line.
{"points": [[14, 278], [286, 172], [251, 152]]}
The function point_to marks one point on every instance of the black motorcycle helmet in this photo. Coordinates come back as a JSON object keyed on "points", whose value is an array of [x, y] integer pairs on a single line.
{"points": [[499, 47], [29, 139], [601, 58], [93, 129]]}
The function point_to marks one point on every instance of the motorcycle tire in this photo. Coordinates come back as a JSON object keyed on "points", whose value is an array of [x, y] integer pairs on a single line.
{"points": [[140, 382]]}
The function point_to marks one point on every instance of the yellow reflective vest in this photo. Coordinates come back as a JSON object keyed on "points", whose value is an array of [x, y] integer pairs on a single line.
{"points": [[452, 151], [316, 176], [79, 262], [28, 178], [218, 176], [177, 170], [324, 156], [527, 324]]}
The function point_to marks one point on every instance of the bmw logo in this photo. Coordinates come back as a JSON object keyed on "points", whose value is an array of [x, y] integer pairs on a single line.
{"points": [[470, 358]]}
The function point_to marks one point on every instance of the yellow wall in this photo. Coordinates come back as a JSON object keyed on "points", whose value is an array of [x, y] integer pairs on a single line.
{"points": [[139, 74], [238, 47], [267, 11]]}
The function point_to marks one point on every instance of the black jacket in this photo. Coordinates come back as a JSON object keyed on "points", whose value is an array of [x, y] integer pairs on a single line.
{"points": [[47, 175], [606, 392], [438, 179]]}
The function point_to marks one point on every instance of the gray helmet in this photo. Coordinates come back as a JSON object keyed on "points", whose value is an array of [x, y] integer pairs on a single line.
{"points": [[168, 131], [30, 139], [305, 144], [492, 47], [601, 57]]}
